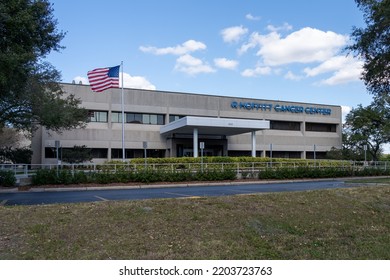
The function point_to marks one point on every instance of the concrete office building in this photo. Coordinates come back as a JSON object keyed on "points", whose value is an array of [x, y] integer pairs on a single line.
{"points": [[173, 124]]}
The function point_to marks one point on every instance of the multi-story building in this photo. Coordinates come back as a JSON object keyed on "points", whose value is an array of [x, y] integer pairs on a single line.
{"points": [[174, 124]]}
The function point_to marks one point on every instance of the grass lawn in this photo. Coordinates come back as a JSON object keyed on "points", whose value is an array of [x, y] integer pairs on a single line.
{"points": [[328, 224]]}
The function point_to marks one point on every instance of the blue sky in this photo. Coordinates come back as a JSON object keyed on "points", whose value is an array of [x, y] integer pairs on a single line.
{"points": [[283, 50]]}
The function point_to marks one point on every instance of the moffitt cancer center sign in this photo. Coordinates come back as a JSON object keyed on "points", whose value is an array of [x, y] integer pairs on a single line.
{"points": [[280, 108]]}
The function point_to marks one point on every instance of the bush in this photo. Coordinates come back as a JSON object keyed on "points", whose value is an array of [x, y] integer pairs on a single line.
{"points": [[7, 178], [316, 172], [46, 177]]}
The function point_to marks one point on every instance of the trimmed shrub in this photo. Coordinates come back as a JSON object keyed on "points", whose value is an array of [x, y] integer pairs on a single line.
{"points": [[7, 178], [316, 172]]}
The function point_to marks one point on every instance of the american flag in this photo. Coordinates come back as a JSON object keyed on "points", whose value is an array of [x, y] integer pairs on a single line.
{"points": [[101, 79]]}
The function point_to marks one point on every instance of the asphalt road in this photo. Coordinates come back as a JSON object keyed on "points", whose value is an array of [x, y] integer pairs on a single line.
{"points": [[50, 197]]}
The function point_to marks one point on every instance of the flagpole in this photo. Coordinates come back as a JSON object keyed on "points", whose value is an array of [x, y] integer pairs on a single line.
{"points": [[123, 119]]}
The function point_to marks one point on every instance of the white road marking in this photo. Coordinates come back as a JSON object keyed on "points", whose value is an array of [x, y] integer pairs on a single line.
{"points": [[179, 194], [101, 198], [240, 191]]}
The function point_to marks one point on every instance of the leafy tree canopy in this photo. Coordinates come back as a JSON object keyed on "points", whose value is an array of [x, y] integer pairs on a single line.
{"points": [[368, 126], [373, 45], [77, 154], [29, 91]]}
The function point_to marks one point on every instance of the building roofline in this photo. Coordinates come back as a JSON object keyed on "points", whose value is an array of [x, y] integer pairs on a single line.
{"points": [[214, 95]]}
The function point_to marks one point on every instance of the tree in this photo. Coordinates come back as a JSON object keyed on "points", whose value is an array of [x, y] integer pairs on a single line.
{"points": [[350, 150], [12, 147], [373, 45], [78, 154], [15, 155], [9, 137], [368, 126], [30, 93]]}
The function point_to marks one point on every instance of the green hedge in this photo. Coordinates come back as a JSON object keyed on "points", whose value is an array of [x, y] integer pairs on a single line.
{"points": [[7, 178], [194, 164], [189, 169], [324, 172], [52, 177]]}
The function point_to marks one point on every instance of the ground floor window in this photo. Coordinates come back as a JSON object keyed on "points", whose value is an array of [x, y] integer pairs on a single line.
{"points": [[137, 153], [243, 153], [319, 155], [99, 153], [50, 152], [283, 154]]}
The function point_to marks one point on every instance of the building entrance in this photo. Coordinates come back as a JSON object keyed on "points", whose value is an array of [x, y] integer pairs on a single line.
{"points": [[187, 151], [213, 147]]}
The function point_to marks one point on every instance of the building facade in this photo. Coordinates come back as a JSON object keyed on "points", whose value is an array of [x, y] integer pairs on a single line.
{"points": [[174, 124]]}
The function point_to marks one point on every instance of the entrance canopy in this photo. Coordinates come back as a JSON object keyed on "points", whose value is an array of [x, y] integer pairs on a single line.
{"points": [[213, 126]]}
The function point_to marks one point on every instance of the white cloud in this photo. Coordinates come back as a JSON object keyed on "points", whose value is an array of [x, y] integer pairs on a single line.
{"points": [[291, 76], [233, 34], [251, 17], [187, 47], [285, 26], [333, 64], [344, 69], [343, 76], [344, 111], [135, 82], [258, 71], [128, 80], [185, 62], [81, 80], [257, 39], [225, 63], [192, 66], [307, 45], [303, 46]]}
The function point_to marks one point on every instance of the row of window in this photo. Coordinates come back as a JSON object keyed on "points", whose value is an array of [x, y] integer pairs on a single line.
{"points": [[309, 126], [140, 118], [159, 119], [115, 153], [116, 117]]}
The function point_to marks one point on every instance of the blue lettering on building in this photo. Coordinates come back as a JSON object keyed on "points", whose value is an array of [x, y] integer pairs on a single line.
{"points": [[251, 106]]}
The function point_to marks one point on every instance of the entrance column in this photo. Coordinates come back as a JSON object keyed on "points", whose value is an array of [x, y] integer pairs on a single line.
{"points": [[195, 144], [253, 143]]}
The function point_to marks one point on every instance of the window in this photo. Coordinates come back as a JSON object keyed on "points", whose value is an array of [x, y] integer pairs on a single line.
{"points": [[321, 127], [160, 120], [153, 119], [173, 118], [98, 116], [133, 118], [138, 118], [116, 117], [137, 153], [99, 153], [145, 119], [282, 125], [116, 153], [50, 152]]}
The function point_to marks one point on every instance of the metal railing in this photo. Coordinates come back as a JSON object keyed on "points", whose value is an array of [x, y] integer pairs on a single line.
{"points": [[28, 170]]}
